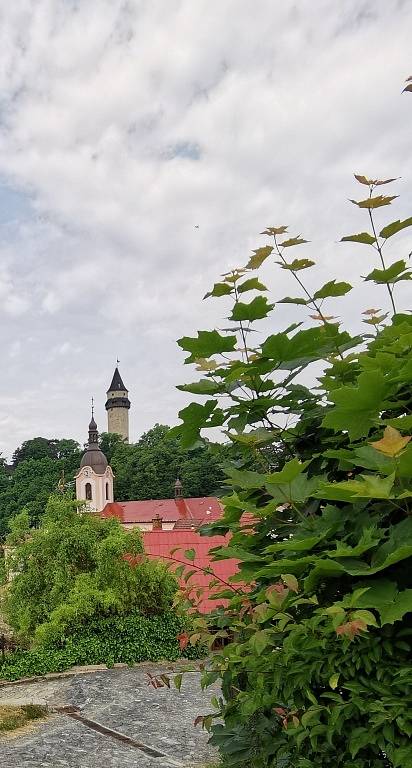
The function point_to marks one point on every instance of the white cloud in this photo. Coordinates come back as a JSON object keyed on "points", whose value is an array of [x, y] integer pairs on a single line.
{"points": [[130, 123]]}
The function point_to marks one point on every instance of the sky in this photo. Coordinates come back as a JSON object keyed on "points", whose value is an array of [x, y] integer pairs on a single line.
{"points": [[144, 145]]}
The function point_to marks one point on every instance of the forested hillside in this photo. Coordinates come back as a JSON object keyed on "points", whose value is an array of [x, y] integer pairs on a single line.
{"points": [[144, 470]]}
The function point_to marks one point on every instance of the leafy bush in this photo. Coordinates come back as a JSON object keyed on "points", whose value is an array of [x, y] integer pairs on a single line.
{"points": [[76, 567], [127, 639], [317, 670]]}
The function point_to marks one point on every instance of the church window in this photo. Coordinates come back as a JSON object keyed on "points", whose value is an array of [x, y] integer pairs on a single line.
{"points": [[107, 491], [88, 489]]}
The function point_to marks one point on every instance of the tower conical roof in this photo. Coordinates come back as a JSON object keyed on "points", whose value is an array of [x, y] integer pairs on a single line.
{"points": [[117, 383]]}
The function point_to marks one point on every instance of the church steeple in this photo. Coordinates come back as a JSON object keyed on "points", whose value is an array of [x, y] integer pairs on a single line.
{"points": [[117, 406], [93, 431], [94, 480]]}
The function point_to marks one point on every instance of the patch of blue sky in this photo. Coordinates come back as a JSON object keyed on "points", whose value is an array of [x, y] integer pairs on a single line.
{"points": [[185, 149], [14, 204]]}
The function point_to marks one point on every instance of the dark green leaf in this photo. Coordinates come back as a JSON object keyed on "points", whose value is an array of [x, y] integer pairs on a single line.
{"points": [[356, 407], [297, 264], [202, 387], [259, 641], [396, 610], [290, 471], [332, 288], [208, 343], [194, 418], [293, 241], [304, 347], [219, 289], [362, 237], [396, 226], [290, 300], [365, 486], [255, 310], [253, 284], [397, 271]]}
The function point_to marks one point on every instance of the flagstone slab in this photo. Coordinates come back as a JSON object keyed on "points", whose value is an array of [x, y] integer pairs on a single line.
{"points": [[121, 701]]}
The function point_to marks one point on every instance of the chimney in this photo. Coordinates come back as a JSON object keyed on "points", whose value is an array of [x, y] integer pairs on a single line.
{"points": [[178, 489], [157, 523]]}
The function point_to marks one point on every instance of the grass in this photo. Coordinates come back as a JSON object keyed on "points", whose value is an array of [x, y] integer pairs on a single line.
{"points": [[15, 717]]}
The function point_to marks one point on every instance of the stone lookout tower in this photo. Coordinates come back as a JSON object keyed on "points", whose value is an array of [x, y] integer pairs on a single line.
{"points": [[117, 407]]}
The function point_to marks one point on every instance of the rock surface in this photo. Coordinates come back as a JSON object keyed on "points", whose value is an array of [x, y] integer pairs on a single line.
{"points": [[120, 700]]}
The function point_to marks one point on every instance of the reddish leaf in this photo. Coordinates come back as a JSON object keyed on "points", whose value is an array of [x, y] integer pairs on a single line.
{"points": [[374, 182], [370, 311], [278, 587], [133, 560], [183, 639], [351, 628], [322, 318]]}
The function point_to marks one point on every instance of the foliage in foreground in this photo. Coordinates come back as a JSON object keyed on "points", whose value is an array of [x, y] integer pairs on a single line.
{"points": [[127, 639], [317, 670], [15, 717], [76, 567]]}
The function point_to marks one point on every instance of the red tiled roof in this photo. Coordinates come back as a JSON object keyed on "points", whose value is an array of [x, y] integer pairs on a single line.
{"points": [[201, 510], [160, 544]]}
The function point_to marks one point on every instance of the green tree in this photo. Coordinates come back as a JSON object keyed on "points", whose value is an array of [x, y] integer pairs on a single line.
{"points": [[149, 468], [44, 448], [108, 442], [76, 567], [317, 667], [38, 467]]}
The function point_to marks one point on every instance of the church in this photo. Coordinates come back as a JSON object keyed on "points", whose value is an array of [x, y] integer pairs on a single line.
{"points": [[95, 480], [166, 524]]}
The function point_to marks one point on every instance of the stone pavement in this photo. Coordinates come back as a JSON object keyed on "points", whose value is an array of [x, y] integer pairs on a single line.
{"points": [[120, 700]]}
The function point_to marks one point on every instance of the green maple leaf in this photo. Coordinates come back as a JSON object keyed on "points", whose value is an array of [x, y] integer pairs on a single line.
{"points": [[255, 310], [207, 343], [357, 407]]}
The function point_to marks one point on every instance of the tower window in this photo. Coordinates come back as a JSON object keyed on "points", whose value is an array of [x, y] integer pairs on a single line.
{"points": [[107, 491], [88, 489]]}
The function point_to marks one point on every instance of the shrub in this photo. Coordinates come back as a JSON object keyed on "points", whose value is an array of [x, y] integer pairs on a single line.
{"points": [[317, 669], [127, 639], [75, 567]]}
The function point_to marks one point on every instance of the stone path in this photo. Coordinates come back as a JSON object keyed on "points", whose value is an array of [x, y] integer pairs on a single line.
{"points": [[120, 701]]}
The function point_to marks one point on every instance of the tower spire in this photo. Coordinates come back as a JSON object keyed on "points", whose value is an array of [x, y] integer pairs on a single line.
{"points": [[93, 432], [117, 406]]}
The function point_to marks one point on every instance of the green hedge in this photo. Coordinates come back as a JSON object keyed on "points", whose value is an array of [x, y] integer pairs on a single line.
{"points": [[126, 639]]}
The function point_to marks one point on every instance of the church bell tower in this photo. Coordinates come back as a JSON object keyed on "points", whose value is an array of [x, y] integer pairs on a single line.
{"points": [[94, 480], [117, 407]]}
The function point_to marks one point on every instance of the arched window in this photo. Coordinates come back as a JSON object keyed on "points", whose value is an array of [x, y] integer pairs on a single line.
{"points": [[88, 489], [107, 491]]}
